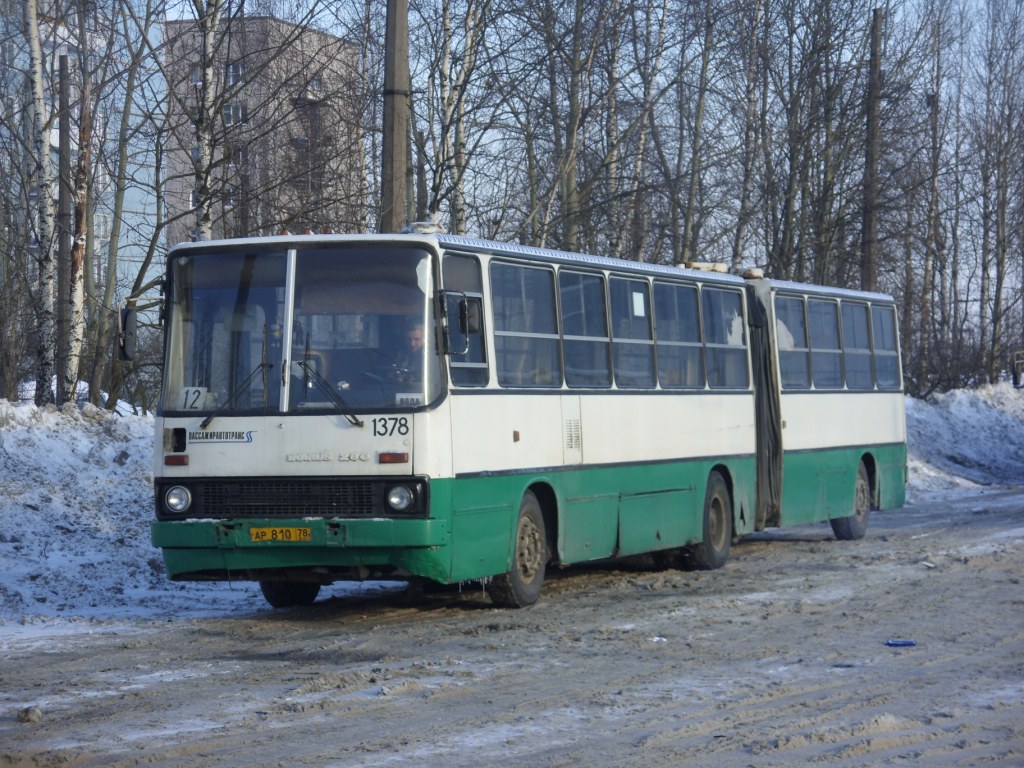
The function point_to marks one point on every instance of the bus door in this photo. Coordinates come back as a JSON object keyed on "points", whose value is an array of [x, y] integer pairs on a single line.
{"points": [[767, 406]]}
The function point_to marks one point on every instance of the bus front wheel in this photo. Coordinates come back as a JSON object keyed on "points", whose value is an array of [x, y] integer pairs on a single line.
{"points": [[520, 586], [283, 594], [713, 550], [856, 525]]}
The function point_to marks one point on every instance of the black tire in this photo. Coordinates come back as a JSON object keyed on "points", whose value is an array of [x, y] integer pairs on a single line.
{"points": [[521, 585], [283, 594], [855, 526], [713, 551]]}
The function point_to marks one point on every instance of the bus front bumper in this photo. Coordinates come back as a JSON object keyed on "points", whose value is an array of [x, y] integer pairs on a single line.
{"points": [[252, 548]]}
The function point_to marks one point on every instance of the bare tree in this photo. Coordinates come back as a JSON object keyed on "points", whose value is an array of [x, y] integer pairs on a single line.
{"points": [[571, 31], [75, 311], [133, 26], [16, 318], [998, 136], [451, 60], [208, 15], [648, 29], [730, 132], [696, 156], [869, 236], [40, 181], [751, 25]]}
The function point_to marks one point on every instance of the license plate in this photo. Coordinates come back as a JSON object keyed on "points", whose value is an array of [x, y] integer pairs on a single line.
{"points": [[283, 534]]}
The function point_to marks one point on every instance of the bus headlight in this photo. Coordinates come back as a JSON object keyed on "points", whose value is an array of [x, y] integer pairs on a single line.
{"points": [[178, 499], [400, 498]]}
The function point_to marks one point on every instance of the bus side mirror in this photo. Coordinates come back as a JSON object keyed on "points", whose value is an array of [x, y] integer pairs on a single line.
{"points": [[469, 317], [127, 333]]}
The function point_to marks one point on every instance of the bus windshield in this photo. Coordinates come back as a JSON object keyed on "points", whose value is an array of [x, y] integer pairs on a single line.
{"points": [[360, 336]]}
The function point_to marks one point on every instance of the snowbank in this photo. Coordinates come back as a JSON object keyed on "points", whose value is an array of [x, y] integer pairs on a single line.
{"points": [[76, 502], [75, 507], [965, 439]]}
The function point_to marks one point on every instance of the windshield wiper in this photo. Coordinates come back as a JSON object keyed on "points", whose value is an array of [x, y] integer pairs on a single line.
{"points": [[260, 367], [310, 373]]}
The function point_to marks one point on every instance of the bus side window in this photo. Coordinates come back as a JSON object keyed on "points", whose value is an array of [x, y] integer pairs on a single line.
{"points": [[677, 320], [464, 302], [857, 346], [525, 326], [826, 357], [584, 329], [724, 338], [887, 361], [632, 345], [791, 333]]}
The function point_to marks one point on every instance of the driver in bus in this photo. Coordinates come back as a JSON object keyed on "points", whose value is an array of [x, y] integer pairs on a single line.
{"points": [[410, 364]]}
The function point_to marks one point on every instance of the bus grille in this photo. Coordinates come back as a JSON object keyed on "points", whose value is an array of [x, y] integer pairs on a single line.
{"points": [[288, 498], [293, 497]]}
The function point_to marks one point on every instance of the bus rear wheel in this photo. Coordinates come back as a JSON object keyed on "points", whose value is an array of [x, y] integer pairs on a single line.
{"points": [[520, 586], [856, 525], [713, 550], [283, 594]]}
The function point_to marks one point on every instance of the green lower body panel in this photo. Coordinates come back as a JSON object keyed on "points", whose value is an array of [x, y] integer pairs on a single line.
{"points": [[591, 513], [820, 484], [598, 512]]}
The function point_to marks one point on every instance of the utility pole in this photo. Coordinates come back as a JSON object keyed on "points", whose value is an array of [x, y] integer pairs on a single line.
{"points": [[395, 160], [869, 233]]}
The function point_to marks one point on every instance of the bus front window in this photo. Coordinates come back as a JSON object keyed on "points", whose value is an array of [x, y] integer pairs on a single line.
{"points": [[362, 332], [225, 315], [363, 329]]}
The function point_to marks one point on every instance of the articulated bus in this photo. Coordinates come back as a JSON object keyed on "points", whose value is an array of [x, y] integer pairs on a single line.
{"points": [[450, 409]]}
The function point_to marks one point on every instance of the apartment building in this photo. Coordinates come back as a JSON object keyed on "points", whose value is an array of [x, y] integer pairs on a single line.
{"points": [[285, 112]]}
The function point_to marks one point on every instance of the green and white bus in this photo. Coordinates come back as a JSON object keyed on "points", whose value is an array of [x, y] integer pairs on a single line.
{"points": [[453, 409]]}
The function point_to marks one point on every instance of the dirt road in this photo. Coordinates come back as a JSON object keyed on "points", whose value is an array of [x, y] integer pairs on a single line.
{"points": [[778, 659]]}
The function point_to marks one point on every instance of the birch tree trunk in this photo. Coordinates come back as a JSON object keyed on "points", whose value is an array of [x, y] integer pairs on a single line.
{"points": [[76, 294], [40, 185], [208, 17]]}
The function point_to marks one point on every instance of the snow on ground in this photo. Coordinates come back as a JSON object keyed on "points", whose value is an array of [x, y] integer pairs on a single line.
{"points": [[76, 503], [965, 440]]}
